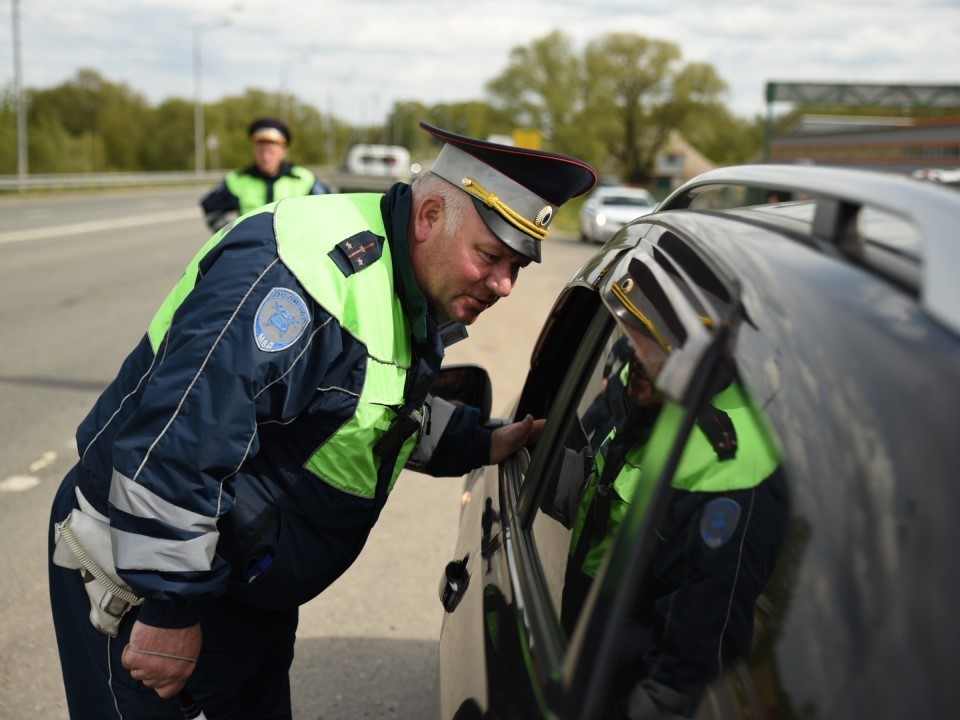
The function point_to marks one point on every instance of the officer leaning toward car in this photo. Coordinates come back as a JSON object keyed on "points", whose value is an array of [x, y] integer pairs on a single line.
{"points": [[716, 546], [268, 179], [235, 466]]}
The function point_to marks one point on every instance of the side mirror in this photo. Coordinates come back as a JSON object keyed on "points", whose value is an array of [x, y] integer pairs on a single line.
{"points": [[466, 385]]}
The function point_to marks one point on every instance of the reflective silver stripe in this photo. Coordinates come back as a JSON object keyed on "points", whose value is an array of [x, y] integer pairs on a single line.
{"points": [[140, 552], [133, 499]]}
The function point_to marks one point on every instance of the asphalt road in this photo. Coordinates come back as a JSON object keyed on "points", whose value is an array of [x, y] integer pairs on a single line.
{"points": [[80, 278]]}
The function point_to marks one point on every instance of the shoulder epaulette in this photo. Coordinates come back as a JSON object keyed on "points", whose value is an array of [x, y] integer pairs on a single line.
{"points": [[357, 252], [719, 429]]}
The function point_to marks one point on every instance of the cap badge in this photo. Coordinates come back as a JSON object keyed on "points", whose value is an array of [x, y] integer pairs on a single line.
{"points": [[622, 291], [544, 216]]}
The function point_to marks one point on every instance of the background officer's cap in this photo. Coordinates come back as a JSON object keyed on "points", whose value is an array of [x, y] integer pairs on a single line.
{"points": [[269, 130], [516, 190]]}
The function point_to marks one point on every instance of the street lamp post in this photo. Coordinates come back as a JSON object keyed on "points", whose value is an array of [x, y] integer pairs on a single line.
{"points": [[331, 125], [198, 130], [284, 100], [21, 104]]}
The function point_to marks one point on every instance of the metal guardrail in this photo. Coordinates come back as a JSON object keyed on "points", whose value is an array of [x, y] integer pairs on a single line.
{"points": [[15, 183], [338, 180]]}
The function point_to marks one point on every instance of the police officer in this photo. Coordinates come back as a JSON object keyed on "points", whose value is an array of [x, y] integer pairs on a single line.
{"points": [[236, 464], [715, 548], [269, 178]]}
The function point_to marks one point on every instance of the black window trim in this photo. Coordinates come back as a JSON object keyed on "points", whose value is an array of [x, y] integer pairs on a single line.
{"points": [[588, 662], [519, 498]]}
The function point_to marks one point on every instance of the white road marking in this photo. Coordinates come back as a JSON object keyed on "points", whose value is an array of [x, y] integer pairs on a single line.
{"points": [[55, 231], [45, 461], [19, 483]]}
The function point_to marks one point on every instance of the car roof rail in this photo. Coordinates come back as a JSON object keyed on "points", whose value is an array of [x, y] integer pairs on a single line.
{"points": [[840, 193]]}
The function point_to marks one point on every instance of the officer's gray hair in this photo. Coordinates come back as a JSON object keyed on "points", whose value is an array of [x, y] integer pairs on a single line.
{"points": [[455, 200]]}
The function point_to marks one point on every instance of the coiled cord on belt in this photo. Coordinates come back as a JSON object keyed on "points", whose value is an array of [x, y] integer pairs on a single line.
{"points": [[96, 570]]}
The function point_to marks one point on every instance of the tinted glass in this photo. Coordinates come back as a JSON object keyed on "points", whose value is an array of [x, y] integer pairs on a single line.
{"points": [[553, 523], [692, 479]]}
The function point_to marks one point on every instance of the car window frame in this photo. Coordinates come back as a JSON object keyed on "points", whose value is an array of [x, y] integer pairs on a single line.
{"points": [[518, 504], [565, 668]]}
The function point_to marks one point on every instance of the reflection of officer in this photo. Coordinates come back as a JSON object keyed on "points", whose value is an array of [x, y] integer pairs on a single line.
{"points": [[248, 444], [610, 403], [270, 177], [716, 546]]}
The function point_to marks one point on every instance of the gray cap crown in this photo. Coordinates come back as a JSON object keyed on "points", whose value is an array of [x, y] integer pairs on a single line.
{"points": [[516, 190]]}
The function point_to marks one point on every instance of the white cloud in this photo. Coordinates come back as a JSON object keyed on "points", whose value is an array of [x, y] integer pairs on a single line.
{"points": [[366, 54]]}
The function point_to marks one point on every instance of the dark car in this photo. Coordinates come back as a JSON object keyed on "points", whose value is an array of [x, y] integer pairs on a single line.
{"points": [[745, 501]]}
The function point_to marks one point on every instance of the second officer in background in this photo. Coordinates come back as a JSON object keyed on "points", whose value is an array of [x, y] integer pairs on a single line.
{"points": [[269, 178]]}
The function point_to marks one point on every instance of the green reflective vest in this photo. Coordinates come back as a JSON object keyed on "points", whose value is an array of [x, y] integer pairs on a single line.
{"points": [[700, 470], [251, 191], [365, 305]]}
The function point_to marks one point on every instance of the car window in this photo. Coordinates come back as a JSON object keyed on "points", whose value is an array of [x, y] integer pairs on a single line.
{"points": [[669, 495], [553, 523]]}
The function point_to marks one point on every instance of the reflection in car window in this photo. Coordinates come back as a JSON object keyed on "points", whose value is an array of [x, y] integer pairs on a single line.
{"points": [[624, 200], [718, 534], [551, 528]]}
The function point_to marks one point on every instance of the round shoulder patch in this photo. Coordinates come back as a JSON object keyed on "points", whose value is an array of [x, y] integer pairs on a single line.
{"points": [[719, 521], [280, 320]]}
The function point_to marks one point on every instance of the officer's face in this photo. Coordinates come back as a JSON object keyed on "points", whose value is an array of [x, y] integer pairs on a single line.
{"points": [[269, 156], [464, 272], [645, 365]]}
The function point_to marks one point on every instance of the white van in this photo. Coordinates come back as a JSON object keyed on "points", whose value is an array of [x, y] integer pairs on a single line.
{"points": [[379, 160]]}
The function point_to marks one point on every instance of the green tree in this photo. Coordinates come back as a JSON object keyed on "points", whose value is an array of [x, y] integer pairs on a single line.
{"points": [[723, 137], [168, 137], [105, 117], [650, 90], [615, 105], [404, 120], [8, 131], [541, 88]]}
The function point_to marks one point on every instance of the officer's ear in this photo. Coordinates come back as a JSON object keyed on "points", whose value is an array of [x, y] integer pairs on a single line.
{"points": [[428, 217]]}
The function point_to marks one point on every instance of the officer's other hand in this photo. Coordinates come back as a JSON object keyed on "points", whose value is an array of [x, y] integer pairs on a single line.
{"points": [[508, 439], [166, 672], [215, 221]]}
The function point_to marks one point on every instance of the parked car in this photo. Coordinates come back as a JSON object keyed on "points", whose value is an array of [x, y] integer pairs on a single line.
{"points": [[609, 208], [379, 160], [775, 536]]}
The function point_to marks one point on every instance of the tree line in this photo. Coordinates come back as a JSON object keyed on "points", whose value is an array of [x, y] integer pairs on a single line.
{"points": [[612, 104]]}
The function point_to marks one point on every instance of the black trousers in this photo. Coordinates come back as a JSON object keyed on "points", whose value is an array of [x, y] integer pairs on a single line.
{"points": [[242, 672]]}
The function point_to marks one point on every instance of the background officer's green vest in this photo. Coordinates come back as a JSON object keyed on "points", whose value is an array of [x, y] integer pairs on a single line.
{"points": [[251, 191]]}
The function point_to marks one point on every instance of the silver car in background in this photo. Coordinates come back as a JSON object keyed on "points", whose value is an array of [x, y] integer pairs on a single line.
{"points": [[609, 208]]}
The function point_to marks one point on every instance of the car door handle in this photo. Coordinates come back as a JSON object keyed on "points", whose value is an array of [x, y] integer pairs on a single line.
{"points": [[453, 583]]}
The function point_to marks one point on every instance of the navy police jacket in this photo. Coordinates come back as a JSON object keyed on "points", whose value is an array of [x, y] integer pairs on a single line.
{"points": [[234, 453]]}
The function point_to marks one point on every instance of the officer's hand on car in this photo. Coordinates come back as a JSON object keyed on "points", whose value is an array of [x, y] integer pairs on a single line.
{"points": [[508, 439], [162, 658]]}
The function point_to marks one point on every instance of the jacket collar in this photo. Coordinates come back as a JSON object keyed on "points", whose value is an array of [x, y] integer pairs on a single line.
{"points": [[286, 170], [396, 207]]}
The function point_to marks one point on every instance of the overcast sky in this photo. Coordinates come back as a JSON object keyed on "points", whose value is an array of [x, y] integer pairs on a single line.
{"points": [[358, 57]]}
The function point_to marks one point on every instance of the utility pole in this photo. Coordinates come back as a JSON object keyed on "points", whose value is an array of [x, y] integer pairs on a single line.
{"points": [[21, 104], [284, 104], [198, 129]]}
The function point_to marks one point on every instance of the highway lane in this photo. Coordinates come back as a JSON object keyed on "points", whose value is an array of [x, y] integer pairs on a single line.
{"points": [[80, 278]]}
